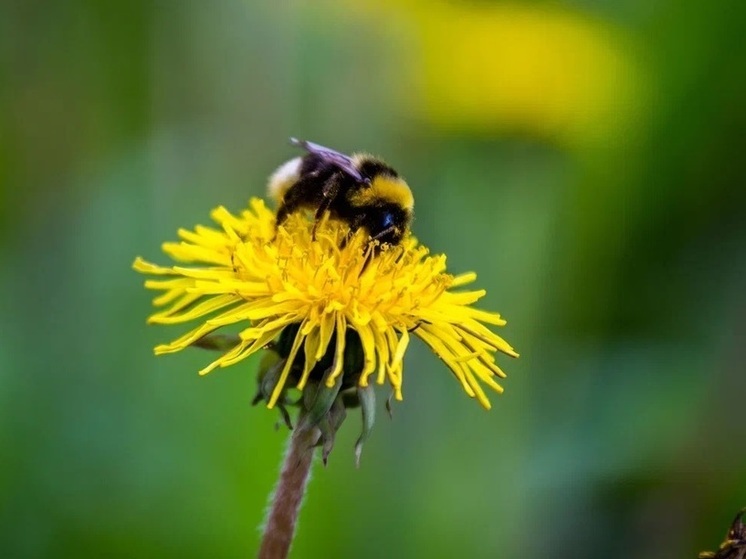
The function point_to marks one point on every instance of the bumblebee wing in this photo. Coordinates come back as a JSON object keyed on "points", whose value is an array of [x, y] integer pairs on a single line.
{"points": [[340, 160]]}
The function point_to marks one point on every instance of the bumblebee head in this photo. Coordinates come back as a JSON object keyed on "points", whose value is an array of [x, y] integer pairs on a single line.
{"points": [[386, 202]]}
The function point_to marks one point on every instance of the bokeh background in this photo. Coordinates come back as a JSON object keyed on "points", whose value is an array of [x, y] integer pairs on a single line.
{"points": [[585, 158]]}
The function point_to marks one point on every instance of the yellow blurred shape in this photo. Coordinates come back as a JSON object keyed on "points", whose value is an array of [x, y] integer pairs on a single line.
{"points": [[515, 68]]}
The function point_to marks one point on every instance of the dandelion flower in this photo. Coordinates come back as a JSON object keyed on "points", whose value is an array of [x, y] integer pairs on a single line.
{"points": [[336, 311]]}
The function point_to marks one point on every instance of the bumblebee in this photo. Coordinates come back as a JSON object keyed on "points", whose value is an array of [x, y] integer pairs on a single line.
{"points": [[360, 190]]}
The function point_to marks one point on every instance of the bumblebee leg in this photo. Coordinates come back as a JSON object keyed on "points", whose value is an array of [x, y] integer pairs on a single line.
{"points": [[282, 214], [290, 203], [329, 193], [355, 223], [390, 229]]}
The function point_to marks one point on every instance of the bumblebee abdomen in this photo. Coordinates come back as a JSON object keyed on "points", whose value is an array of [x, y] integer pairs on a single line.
{"points": [[283, 178]]}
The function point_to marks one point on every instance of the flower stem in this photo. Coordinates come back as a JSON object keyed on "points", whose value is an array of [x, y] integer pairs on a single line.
{"points": [[288, 496]]}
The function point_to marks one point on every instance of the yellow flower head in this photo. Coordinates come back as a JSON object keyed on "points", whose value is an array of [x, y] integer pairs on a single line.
{"points": [[273, 281]]}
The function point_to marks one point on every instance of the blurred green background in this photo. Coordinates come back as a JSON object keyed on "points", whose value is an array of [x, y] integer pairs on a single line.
{"points": [[587, 159]]}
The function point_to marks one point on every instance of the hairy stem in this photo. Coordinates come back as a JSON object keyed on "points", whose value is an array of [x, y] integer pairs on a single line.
{"points": [[288, 496]]}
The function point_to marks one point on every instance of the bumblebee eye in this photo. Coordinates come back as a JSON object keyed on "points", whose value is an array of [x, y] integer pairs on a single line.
{"points": [[387, 220]]}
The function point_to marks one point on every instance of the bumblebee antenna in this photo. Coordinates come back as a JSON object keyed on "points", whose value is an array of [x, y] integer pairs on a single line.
{"points": [[299, 143], [340, 160]]}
